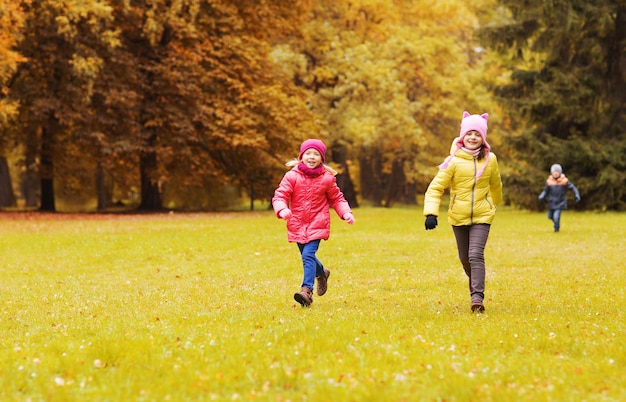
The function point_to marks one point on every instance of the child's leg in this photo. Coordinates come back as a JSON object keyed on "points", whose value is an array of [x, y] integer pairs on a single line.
{"points": [[471, 241], [478, 235], [309, 262], [556, 217], [319, 267], [461, 234], [551, 214]]}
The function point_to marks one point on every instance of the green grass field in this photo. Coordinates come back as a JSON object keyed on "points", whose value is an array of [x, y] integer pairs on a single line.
{"points": [[196, 307]]}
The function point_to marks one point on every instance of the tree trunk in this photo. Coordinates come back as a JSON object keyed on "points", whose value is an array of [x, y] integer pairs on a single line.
{"points": [[46, 170], [410, 196], [371, 181], [339, 155], [29, 182], [395, 183], [105, 195], [252, 195], [7, 198], [398, 190], [150, 194]]}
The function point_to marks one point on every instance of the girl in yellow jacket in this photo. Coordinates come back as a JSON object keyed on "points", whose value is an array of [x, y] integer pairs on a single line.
{"points": [[471, 172]]}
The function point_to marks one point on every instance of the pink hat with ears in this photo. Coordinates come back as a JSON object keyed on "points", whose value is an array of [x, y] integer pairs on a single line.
{"points": [[470, 122]]}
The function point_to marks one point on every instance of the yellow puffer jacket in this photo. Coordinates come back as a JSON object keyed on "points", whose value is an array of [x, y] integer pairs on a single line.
{"points": [[472, 200]]}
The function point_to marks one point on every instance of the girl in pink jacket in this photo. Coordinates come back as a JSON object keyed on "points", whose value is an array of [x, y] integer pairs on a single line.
{"points": [[303, 198]]}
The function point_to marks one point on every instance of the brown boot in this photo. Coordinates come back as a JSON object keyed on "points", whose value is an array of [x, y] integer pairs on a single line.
{"points": [[304, 296], [477, 306], [322, 283]]}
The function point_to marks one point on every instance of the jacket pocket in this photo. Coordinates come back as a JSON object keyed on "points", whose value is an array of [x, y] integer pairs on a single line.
{"points": [[489, 202]]}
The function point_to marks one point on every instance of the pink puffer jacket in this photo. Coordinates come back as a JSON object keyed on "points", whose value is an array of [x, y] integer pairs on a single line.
{"points": [[309, 199]]}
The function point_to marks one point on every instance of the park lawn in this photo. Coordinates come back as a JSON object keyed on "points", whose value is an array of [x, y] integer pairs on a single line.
{"points": [[196, 307]]}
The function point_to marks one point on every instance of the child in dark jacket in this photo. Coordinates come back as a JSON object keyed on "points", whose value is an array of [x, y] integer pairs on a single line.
{"points": [[303, 198], [556, 192]]}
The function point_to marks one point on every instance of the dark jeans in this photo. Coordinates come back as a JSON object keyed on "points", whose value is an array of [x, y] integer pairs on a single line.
{"points": [[555, 216], [470, 242], [312, 266]]}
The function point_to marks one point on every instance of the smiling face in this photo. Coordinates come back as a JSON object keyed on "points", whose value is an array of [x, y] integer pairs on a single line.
{"points": [[472, 140], [312, 158]]}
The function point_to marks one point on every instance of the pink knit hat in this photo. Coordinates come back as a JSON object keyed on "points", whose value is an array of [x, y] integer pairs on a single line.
{"points": [[318, 145], [470, 122]]}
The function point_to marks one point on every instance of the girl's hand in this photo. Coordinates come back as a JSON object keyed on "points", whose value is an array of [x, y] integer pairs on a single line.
{"points": [[348, 217], [285, 213], [431, 222]]}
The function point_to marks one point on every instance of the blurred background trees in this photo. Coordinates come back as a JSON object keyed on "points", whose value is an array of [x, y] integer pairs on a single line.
{"points": [[566, 94], [197, 105]]}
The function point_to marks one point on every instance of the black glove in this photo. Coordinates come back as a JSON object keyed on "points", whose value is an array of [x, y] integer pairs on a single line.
{"points": [[431, 222]]}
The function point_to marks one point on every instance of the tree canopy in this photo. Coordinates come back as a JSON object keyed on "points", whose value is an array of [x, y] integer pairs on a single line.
{"points": [[171, 103], [567, 93], [11, 21]]}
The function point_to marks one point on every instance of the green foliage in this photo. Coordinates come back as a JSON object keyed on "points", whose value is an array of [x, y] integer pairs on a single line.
{"points": [[200, 307], [567, 90]]}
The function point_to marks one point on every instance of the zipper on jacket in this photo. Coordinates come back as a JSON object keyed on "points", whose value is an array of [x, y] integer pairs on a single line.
{"points": [[473, 188]]}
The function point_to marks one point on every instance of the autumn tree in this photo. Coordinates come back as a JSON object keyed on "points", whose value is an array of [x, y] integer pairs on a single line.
{"points": [[182, 93], [211, 107], [391, 80], [54, 85], [11, 21]]}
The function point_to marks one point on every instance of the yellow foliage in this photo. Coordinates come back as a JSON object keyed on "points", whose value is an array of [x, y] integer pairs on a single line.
{"points": [[11, 21]]}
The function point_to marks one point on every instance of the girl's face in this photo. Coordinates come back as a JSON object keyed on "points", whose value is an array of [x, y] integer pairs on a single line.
{"points": [[472, 140], [312, 158]]}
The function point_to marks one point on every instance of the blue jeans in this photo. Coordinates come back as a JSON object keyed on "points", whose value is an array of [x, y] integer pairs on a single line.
{"points": [[312, 266], [555, 216]]}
